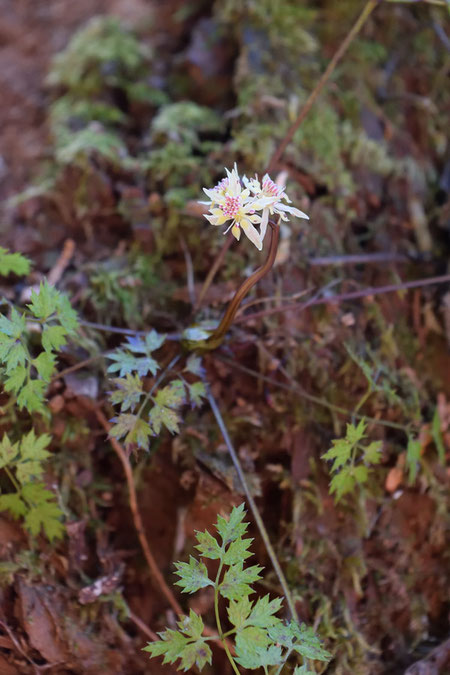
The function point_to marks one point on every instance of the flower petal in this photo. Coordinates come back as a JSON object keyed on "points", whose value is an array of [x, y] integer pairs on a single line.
{"points": [[211, 219], [262, 202], [220, 218], [292, 210], [214, 196], [236, 232], [264, 221], [252, 233]]}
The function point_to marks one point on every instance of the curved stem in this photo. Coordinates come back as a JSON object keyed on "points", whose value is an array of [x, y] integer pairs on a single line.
{"points": [[218, 335], [219, 625]]}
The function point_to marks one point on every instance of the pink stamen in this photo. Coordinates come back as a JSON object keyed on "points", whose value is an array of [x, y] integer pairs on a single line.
{"points": [[231, 206], [270, 188]]}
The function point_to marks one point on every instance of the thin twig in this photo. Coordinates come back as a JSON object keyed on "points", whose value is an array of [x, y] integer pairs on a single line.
{"points": [[272, 298], [123, 331], [293, 386], [251, 501], [333, 300], [214, 269], [63, 261], [142, 626], [158, 578], [370, 6], [189, 271], [75, 367], [333, 260]]}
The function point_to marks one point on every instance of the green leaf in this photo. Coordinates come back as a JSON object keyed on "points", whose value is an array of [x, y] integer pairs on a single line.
{"points": [[174, 645], [128, 392], [53, 337], [135, 430], [437, 436], [172, 396], [150, 343], [342, 483], [171, 646], [126, 361], [193, 575], [43, 511], [254, 649], [301, 639], [14, 382], [194, 365], [303, 670], [197, 392], [31, 396], [66, 314], [191, 625], [355, 434], [340, 452], [413, 452], [32, 455], [360, 474], [14, 504], [50, 303], [17, 356], [237, 551], [208, 545], [13, 327], [45, 364], [6, 343], [44, 303], [372, 453], [197, 653], [237, 581], [263, 612], [239, 611], [233, 528], [13, 262], [8, 451], [160, 415]]}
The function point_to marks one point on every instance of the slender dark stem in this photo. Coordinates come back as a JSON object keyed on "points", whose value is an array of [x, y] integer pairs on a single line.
{"points": [[353, 295], [252, 503], [293, 386], [218, 335]]}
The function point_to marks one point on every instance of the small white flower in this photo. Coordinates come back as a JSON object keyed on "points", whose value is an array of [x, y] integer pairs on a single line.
{"points": [[229, 201], [269, 189]]}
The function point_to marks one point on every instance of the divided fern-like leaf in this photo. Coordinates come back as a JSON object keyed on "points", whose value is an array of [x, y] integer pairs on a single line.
{"points": [[13, 262], [261, 639], [32, 500], [193, 576], [187, 645], [345, 453], [24, 376]]}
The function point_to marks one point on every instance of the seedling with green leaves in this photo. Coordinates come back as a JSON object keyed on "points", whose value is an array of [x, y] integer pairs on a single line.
{"points": [[143, 413], [27, 368], [23, 464], [261, 639], [351, 460]]}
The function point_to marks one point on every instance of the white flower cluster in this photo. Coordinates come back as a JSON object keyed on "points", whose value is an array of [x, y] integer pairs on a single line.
{"points": [[239, 200]]}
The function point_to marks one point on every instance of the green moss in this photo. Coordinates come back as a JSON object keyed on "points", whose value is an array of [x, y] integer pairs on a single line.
{"points": [[102, 52]]}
